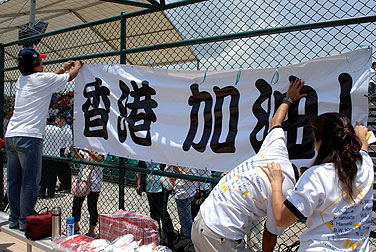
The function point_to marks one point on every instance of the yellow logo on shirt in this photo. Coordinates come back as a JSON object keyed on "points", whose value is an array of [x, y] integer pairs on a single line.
{"points": [[258, 172]]}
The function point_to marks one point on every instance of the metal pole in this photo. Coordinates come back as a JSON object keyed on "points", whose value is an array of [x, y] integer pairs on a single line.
{"points": [[2, 189], [32, 11], [123, 37], [121, 182]]}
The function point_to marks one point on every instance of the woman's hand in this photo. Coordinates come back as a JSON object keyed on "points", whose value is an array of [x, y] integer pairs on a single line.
{"points": [[361, 132], [294, 89], [274, 173]]}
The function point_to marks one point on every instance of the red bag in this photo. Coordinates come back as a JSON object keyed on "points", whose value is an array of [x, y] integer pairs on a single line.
{"points": [[38, 226], [144, 228]]}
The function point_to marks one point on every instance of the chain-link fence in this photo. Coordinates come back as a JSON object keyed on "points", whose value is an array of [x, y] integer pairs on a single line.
{"points": [[210, 35]]}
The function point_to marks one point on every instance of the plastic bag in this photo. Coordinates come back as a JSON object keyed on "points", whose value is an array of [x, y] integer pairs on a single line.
{"points": [[162, 248], [124, 244], [73, 243], [99, 245], [147, 248]]}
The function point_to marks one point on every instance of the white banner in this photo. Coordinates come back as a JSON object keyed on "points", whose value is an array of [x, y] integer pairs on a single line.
{"points": [[213, 119]]}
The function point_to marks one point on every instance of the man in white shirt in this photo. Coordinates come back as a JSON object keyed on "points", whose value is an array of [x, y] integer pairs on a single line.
{"points": [[24, 136], [51, 147], [66, 141], [244, 194]]}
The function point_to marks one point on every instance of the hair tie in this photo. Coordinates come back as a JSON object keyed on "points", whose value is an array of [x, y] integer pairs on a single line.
{"points": [[341, 130]]}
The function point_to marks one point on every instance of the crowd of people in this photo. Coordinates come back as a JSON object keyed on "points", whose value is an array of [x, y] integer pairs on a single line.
{"points": [[61, 103], [334, 196]]}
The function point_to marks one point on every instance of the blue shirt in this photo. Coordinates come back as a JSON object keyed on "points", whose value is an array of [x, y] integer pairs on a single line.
{"points": [[153, 182]]}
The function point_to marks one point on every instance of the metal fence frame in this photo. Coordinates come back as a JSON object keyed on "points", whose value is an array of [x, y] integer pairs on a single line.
{"points": [[124, 51]]}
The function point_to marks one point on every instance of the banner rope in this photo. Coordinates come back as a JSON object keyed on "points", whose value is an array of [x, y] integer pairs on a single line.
{"points": [[275, 77], [151, 63], [369, 58], [204, 78], [238, 76], [108, 67]]}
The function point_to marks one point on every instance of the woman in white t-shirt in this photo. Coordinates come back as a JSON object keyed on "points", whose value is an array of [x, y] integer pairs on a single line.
{"points": [[184, 193], [96, 182], [243, 195], [335, 194]]}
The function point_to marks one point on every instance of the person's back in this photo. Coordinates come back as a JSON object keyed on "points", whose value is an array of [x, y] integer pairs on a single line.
{"points": [[243, 195], [24, 136], [335, 194], [33, 95], [51, 141], [49, 166], [336, 222], [184, 188]]}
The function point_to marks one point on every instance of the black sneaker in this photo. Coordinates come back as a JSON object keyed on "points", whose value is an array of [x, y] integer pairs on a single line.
{"points": [[21, 228], [13, 225]]}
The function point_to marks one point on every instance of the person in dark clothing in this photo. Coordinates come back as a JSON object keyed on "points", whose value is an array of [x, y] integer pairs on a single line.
{"points": [[64, 172], [157, 195]]}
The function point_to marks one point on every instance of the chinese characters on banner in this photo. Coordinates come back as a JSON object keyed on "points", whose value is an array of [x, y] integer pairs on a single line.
{"points": [[180, 117]]}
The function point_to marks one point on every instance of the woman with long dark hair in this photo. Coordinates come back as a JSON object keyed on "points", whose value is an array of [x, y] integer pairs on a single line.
{"points": [[335, 194]]}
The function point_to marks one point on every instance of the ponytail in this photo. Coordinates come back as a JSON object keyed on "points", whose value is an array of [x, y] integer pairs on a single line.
{"points": [[339, 145]]}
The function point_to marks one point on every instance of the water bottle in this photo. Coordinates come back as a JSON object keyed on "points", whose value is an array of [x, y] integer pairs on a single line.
{"points": [[70, 226], [56, 223]]}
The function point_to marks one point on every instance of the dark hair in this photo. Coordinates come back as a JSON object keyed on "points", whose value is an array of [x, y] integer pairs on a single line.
{"points": [[51, 119], [339, 145], [62, 116], [27, 67], [373, 63]]}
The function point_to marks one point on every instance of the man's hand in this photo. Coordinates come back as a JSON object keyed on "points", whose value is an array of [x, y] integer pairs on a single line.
{"points": [[74, 71], [78, 64], [293, 91], [68, 65]]}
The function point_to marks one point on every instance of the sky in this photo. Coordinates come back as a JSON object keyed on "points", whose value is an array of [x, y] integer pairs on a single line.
{"points": [[214, 17]]}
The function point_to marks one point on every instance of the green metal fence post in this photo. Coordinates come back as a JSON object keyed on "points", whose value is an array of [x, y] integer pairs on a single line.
{"points": [[123, 34], [2, 83], [122, 61], [121, 182]]}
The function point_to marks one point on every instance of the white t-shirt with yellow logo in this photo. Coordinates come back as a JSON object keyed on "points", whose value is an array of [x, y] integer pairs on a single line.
{"points": [[335, 222], [244, 195]]}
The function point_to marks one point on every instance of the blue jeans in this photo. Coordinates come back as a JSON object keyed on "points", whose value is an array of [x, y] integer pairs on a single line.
{"points": [[24, 165], [185, 215]]}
